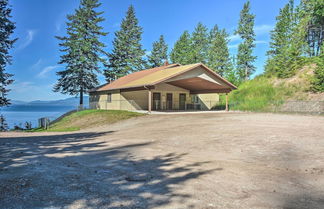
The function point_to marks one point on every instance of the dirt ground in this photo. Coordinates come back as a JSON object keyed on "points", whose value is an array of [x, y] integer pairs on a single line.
{"points": [[219, 160]]}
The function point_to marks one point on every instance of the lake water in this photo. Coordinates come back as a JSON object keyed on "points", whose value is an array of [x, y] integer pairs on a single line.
{"points": [[20, 117], [20, 114]]}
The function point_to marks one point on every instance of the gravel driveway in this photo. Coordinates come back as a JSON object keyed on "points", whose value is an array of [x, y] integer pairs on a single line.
{"points": [[217, 160]]}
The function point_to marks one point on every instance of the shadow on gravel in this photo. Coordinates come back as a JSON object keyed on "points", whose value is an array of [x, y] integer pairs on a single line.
{"points": [[291, 187], [76, 169], [307, 197]]}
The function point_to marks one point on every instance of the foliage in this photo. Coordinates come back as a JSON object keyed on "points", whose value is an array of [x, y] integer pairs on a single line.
{"points": [[6, 43], [18, 127], [245, 30], [127, 54], [159, 53], [3, 124], [199, 44], [218, 58], [82, 50], [260, 94], [28, 125], [313, 13], [210, 49], [318, 78], [281, 38], [191, 48], [231, 74], [89, 118], [298, 34], [254, 95], [181, 49]]}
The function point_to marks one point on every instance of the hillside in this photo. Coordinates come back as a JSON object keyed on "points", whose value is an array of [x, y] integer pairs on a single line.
{"points": [[90, 118], [269, 94]]}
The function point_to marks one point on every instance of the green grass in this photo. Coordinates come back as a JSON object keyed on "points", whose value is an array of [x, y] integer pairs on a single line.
{"points": [[263, 94], [87, 119], [254, 95]]}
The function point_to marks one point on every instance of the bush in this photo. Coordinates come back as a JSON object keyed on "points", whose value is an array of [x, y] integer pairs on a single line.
{"points": [[28, 125], [261, 94], [318, 79]]}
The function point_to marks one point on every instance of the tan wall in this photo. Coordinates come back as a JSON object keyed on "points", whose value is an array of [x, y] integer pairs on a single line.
{"points": [[207, 101], [167, 88], [134, 100], [138, 100], [98, 100]]}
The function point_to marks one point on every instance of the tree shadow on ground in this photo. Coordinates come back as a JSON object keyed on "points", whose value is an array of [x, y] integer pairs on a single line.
{"points": [[302, 194], [292, 186], [81, 170]]}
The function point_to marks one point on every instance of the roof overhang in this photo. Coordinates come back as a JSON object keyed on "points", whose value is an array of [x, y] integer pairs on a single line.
{"points": [[199, 85], [194, 84]]}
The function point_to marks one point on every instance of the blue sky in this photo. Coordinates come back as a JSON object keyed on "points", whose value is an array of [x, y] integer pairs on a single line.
{"points": [[36, 53]]}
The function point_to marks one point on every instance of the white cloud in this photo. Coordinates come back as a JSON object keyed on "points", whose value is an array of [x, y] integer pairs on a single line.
{"points": [[22, 87], [262, 29], [148, 53], [37, 64], [46, 70], [258, 29], [28, 39], [234, 37], [231, 46], [29, 91]]}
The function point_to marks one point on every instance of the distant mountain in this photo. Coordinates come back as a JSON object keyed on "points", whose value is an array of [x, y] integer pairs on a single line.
{"points": [[74, 101], [69, 101], [17, 102], [44, 106]]}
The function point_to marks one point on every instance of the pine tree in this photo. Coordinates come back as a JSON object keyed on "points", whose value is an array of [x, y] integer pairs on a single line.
{"points": [[231, 73], [6, 43], [199, 44], [159, 53], [82, 50], [280, 36], [218, 55], [127, 54], [245, 58], [181, 50], [3, 124], [280, 42], [318, 79], [287, 42], [312, 12]]}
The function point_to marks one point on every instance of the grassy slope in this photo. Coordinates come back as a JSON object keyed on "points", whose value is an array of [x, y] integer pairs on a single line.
{"points": [[264, 93], [90, 118]]}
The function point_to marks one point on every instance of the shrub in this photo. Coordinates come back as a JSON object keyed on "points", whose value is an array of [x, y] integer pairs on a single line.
{"points": [[318, 79]]}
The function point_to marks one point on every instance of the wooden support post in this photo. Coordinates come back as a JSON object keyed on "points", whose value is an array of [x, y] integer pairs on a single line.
{"points": [[149, 100], [226, 108]]}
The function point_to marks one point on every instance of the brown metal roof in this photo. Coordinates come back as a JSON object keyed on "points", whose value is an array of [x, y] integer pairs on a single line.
{"points": [[123, 81], [154, 76]]}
